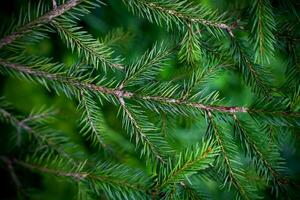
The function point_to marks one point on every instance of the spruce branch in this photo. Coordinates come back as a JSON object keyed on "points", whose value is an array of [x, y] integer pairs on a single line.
{"points": [[92, 121], [147, 66], [176, 13], [124, 94], [260, 159], [291, 87], [187, 163], [253, 74], [19, 124], [75, 175], [92, 50], [189, 192], [262, 32], [38, 132], [44, 19], [157, 95], [144, 139], [117, 36], [12, 119], [193, 88], [12, 172], [190, 47], [38, 116], [232, 169], [114, 180]]}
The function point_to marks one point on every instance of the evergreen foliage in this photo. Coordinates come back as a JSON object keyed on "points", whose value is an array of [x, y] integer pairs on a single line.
{"points": [[238, 148]]}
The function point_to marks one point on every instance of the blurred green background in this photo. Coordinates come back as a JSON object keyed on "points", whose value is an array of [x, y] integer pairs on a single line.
{"points": [[26, 96]]}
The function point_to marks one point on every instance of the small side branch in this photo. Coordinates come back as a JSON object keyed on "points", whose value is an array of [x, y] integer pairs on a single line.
{"points": [[75, 175], [54, 4], [79, 175], [49, 16], [12, 172], [22, 125], [182, 16]]}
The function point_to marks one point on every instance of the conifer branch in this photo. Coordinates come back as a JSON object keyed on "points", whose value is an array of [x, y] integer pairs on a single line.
{"points": [[79, 175], [192, 193], [37, 116], [75, 175], [46, 18], [190, 47], [262, 32], [243, 157], [135, 129], [146, 66], [177, 12], [253, 74], [291, 85], [94, 51], [199, 158], [111, 180], [92, 121], [257, 155], [38, 135], [9, 117], [227, 164], [12, 171], [124, 94], [117, 36]]}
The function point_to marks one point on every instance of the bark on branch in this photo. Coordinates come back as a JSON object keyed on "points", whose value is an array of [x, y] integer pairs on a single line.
{"points": [[119, 93], [47, 17]]}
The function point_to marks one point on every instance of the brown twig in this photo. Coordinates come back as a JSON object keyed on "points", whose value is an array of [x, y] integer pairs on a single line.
{"points": [[54, 4], [49, 16], [190, 19]]}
